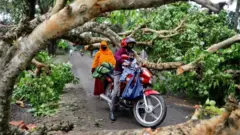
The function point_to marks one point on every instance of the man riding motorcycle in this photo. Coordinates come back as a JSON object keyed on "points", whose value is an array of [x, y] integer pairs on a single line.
{"points": [[126, 46]]}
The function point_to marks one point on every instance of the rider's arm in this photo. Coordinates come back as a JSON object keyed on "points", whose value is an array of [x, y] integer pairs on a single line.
{"points": [[118, 55]]}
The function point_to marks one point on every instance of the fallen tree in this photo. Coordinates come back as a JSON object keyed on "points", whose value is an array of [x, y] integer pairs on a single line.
{"points": [[212, 49], [30, 37], [114, 39]]}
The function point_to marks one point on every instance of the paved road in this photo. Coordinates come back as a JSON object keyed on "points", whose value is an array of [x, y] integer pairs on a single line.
{"points": [[178, 109]]}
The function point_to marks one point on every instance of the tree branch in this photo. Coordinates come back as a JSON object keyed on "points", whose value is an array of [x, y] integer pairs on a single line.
{"points": [[230, 71], [115, 39], [166, 33], [39, 66], [224, 44], [58, 6], [136, 29], [114, 6], [158, 66], [212, 49], [91, 47], [102, 29], [126, 33], [238, 86]]}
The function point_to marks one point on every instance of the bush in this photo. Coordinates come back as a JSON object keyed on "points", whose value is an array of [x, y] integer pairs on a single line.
{"points": [[43, 92]]}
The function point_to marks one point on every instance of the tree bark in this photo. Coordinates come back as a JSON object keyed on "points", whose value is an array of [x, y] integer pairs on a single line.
{"points": [[212, 49], [6, 85], [58, 6], [158, 66]]}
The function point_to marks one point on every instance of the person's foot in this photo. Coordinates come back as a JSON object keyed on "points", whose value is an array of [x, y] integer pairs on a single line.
{"points": [[111, 116]]}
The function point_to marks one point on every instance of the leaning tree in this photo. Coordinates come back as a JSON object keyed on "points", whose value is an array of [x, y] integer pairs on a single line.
{"points": [[19, 43]]}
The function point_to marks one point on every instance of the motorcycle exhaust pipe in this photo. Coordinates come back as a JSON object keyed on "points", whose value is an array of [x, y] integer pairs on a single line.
{"points": [[106, 98]]}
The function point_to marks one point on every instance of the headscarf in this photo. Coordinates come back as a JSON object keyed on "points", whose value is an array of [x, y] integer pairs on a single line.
{"points": [[103, 56], [107, 51]]}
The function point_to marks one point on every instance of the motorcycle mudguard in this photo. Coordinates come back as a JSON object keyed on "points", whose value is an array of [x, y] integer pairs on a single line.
{"points": [[148, 92]]}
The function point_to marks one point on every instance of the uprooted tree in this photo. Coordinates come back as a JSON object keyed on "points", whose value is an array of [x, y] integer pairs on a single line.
{"points": [[20, 43]]}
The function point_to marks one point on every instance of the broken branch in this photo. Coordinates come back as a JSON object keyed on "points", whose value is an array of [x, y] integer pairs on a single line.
{"points": [[39, 66], [166, 33], [226, 43], [158, 66], [58, 6]]}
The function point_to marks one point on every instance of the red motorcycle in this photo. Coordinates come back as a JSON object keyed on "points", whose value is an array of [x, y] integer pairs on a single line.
{"points": [[149, 110]]}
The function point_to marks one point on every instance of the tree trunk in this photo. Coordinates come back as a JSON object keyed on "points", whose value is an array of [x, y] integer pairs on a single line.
{"points": [[6, 86], [236, 16], [7, 81]]}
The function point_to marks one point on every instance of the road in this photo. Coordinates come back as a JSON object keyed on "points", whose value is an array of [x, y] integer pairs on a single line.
{"points": [[178, 109]]}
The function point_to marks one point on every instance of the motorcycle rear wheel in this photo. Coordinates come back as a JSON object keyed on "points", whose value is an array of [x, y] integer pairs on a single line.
{"points": [[154, 114]]}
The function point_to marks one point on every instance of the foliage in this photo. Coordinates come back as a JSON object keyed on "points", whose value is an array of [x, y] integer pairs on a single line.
{"points": [[43, 57], [209, 80], [14, 10], [43, 92], [200, 30], [210, 109], [62, 44]]}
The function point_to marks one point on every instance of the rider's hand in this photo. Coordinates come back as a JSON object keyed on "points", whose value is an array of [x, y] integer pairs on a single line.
{"points": [[93, 69], [125, 64]]}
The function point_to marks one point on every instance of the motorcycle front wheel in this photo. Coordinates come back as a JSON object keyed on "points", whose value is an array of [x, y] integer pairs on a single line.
{"points": [[152, 114]]}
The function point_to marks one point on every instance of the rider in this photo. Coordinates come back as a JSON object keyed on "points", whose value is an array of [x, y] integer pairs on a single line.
{"points": [[126, 46], [128, 66]]}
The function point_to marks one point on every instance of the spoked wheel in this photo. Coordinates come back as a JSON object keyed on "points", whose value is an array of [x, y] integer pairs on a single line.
{"points": [[152, 114]]}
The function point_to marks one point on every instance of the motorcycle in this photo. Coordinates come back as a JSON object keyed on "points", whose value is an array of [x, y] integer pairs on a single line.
{"points": [[150, 110]]}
